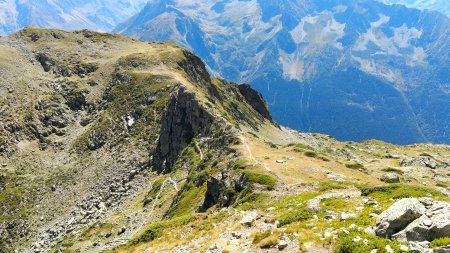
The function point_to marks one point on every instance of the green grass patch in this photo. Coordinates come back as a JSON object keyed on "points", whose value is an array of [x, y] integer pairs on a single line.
{"points": [[189, 201], [399, 191], [156, 230], [299, 214], [252, 200], [261, 179], [208, 223], [440, 242], [336, 204], [156, 187]]}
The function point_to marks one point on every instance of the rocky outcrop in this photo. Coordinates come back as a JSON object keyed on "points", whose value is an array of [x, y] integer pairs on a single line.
{"points": [[398, 216], [420, 161], [221, 190], [256, 100], [415, 220], [184, 119]]}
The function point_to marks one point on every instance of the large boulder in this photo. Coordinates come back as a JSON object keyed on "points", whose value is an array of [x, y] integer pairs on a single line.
{"points": [[390, 177], [435, 223], [415, 220], [398, 216]]}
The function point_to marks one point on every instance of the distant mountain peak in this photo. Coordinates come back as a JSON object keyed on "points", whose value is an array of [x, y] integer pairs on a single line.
{"points": [[101, 15]]}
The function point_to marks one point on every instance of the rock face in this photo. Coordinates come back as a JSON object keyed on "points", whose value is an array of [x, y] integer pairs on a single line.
{"points": [[256, 100], [184, 119], [415, 220]]}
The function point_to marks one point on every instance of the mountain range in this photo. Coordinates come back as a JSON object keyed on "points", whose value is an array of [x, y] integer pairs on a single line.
{"points": [[436, 5], [353, 69], [99, 15]]}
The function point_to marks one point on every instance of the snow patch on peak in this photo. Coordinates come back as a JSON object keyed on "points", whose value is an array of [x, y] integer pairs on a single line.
{"points": [[403, 35]]}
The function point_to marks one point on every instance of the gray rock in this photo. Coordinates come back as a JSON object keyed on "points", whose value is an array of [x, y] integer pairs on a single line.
{"points": [[420, 161], [282, 245], [420, 247], [434, 223], [398, 216], [390, 177]]}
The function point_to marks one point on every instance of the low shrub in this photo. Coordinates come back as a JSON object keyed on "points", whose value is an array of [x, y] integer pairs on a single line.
{"points": [[266, 239], [311, 154], [354, 166]]}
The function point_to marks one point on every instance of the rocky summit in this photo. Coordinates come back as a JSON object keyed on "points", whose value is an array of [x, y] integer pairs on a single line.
{"points": [[109, 144]]}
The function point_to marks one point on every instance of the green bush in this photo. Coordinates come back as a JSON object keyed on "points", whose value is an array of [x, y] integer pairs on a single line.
{"points": [[440, 242], [300, 214]]}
